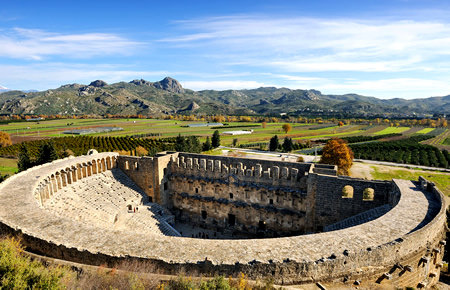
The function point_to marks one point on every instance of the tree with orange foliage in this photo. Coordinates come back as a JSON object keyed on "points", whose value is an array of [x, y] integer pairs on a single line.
{"points": [[286, 128], [340, 124], [336, 152], [5, 139], [264, 124]]}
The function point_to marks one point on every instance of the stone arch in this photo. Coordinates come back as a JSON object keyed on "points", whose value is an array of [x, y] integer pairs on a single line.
{"points": [[84, 170], [68, 172], [368, 194], [347, 191], [127, 165], [58, 180], [114, 161], [79, 175], [94, 167], [54, 183], [136, 165], [89, 168], [99, 166], [103, 161], [63, 178], [108, 163], [73, 169]]}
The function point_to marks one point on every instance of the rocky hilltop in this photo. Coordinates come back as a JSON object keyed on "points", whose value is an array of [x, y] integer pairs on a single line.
{"points": [[168, 97]]}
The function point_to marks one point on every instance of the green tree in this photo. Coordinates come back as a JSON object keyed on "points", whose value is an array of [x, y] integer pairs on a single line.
{"points": [[180, 144], [288, 145], [273, 144], [24, 161], [193, 144], [47, 153], [207, 145], [215, 140], [235, 142]]}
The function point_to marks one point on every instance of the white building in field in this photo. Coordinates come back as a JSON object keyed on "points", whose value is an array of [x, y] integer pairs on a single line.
{"points": [[239, 132]]}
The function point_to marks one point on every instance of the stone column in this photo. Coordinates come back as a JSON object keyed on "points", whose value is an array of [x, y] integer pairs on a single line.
{"points": [[64, 179], [103, 165], [89, 169], [69, 176], [203, 164], [108, 163], [284, 172], [275, 172], [54, 184], [258, 170], [84, 170], [79, 176], [94, 167]]}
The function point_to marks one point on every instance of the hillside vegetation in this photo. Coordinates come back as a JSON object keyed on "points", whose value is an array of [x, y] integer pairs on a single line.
{"points": [[168, 97]]}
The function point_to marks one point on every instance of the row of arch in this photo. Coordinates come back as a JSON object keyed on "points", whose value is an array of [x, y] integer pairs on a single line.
{"points": [[368, 193], [63, 177]]}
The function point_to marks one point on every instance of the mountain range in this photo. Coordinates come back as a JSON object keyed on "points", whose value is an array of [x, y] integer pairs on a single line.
{"points": [[168, 97]]}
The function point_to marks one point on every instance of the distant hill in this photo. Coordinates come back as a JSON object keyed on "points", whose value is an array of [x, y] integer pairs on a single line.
{"points": [[168, 96]]}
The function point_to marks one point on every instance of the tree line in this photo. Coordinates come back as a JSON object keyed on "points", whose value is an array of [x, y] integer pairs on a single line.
{"points": [[408, 151]]}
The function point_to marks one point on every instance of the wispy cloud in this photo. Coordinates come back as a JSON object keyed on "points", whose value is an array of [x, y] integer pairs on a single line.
{"points": [[313, 44], [37, 44], [43, 76], [223, 85]]}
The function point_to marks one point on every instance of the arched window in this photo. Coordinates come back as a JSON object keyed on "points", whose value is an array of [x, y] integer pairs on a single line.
{"points": [[368, 194], [347, 191]]}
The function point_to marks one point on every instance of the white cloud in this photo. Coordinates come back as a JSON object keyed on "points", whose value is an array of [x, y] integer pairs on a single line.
{"points": [[388, 88], [223, 85], [44, 76], [37, 44], [314, 44]]}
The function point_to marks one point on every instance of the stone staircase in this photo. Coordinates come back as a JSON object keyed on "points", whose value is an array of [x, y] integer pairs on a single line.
{"points": [[358, 219]]}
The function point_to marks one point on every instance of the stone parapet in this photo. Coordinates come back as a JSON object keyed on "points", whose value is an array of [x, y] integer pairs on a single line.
{"points": [[400, 248]]}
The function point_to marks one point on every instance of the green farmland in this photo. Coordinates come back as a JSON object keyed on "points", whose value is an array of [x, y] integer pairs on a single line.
{"points": [[23, 131]]}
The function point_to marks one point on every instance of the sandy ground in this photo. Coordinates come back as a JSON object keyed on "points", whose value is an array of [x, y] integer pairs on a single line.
{"points": [[361, 170]]}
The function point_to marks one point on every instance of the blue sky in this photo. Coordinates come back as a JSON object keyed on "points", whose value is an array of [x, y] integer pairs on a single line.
{"points": [[377, 48]]}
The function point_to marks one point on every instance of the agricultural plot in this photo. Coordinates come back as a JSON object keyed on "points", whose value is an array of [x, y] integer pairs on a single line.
{"points": [[81, 144], [407, 151], [392, 130], [440, 140], [8, 166], [425, 131], [24, 131]]}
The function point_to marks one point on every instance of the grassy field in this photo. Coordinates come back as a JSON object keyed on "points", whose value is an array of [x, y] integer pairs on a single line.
{"points": [[442, 180], [440, 141], [23, 131], [170, 128], [391, 130], [425, 131], [8, 166]]}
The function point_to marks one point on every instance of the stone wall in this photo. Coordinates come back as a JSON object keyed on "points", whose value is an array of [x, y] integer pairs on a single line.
{"points": [[331, 206], [260, 196], [245, 195], [402, 248], [149, 173], [52, 183]]}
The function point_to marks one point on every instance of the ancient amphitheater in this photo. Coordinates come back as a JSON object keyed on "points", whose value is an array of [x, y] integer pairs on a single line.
{"points": [[297, 223]]}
